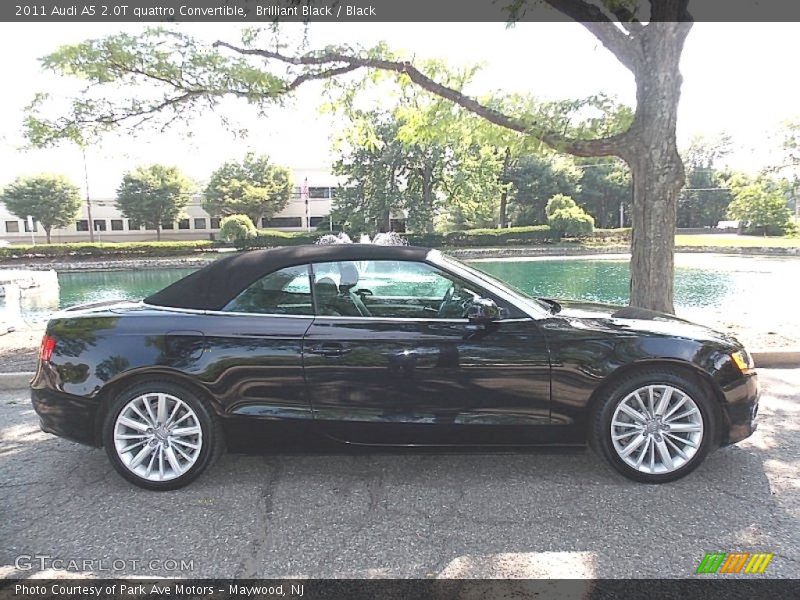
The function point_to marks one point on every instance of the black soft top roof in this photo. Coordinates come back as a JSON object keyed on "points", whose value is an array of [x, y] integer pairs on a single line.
{"points": [[213, 286]]}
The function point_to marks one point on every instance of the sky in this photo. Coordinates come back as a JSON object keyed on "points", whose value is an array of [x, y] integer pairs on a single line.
{"points": [[738, 78]]}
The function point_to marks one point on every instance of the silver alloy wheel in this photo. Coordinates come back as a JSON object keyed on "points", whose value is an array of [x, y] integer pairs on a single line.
{"points": [[657, 429], [158, 436]]}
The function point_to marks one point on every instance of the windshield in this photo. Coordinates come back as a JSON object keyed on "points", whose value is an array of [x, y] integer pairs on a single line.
{"points": [[519, 296]]}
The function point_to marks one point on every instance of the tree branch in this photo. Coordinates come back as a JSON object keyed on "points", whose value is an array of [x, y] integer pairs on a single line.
{"points": [[613, 145], [325, 74], [600, 26]]}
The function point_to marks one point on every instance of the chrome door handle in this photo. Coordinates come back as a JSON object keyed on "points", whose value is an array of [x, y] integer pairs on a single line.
{"points": [[328, 350]]}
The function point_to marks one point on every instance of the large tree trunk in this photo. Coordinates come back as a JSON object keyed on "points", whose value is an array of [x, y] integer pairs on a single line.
{"points": [[47, 233], [656, 167], [385, 224]]}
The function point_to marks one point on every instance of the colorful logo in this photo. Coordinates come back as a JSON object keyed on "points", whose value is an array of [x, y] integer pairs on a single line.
{"points": [[734, 562]]}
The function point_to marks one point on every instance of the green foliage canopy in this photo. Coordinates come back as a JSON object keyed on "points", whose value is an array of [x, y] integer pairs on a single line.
{"points": [[604, 185], [254, 187], [50, 199], [419, 157], [760, 205], [154, 195], [705, 200], [534, 180]]}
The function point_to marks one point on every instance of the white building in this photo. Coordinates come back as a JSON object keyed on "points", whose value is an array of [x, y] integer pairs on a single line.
{"points": [[110, 226]]}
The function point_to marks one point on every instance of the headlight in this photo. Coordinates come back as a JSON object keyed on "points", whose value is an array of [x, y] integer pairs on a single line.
{"points": [[743, 360]]}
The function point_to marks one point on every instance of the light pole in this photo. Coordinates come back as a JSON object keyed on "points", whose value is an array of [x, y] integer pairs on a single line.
{"points": [[88, 198]]}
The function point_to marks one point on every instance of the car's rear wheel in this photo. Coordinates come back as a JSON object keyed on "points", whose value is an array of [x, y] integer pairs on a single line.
{"points": [[161, 436], [654, 426]]}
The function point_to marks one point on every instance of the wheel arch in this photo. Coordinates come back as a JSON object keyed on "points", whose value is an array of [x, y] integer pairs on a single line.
{"points": [[682, 367], [126, 380]]}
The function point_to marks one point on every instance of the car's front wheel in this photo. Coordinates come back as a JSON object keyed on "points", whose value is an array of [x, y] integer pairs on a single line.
{"points": [[654, 426], [160, 436]]}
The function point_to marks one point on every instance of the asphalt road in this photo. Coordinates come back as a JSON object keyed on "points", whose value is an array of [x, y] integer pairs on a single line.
{"points": [[401, 515]]}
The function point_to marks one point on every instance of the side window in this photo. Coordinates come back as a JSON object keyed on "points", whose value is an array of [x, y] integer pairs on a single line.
{"points": [[284, 292], [394, 289]]}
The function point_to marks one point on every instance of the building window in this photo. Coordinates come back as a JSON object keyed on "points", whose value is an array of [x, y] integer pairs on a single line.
{"points": [[99, 224], [317, 220], [117, 225], [282, 222], [82, 225], [214, 222], [183, 224], [28, 229], [319, 192], [12, 226], [200, 223], [134, 225], [169, 225]]}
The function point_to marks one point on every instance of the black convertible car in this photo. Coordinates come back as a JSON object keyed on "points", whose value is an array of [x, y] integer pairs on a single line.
{"points": [[383, 346]]}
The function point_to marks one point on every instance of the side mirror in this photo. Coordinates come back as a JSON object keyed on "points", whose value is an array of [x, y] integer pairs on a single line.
{"points": [[483, 311]]}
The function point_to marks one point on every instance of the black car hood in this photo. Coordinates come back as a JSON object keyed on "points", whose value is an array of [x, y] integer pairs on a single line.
{"points": [[636, 321]]}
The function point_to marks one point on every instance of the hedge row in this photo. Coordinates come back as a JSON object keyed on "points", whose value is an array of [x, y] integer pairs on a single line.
{"points": [[268, 238], [533, 235], [102, 249], [513, 236], [539, 234], [622, 234]]}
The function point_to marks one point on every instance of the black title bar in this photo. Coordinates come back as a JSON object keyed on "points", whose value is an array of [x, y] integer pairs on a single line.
{"points": [[331, 11], [707, 588]]}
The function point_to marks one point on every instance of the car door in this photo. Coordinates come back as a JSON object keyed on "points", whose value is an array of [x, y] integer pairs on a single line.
{"points": [[253, 360], [402, 366]]}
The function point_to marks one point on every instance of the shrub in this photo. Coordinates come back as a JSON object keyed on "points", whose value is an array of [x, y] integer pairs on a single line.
{"points": [[533, 234], [570, 222], [266, 238], [236, 228], [559, 202], [428, 240]]}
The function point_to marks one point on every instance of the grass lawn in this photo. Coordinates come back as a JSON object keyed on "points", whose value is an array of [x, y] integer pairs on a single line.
{"points": [[724, 240]]}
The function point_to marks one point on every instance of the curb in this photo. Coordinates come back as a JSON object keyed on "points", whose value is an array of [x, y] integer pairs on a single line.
{"points": [[776, 359], [15, 381]]}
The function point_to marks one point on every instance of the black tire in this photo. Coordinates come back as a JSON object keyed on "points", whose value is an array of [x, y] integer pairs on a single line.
{"points": [[212, 436], [600, 426]]}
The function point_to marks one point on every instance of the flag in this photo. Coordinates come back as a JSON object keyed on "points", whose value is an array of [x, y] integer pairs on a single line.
{"points": [[304, 198]]}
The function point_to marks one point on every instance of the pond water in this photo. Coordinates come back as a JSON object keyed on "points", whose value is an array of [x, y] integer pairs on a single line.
{"points": [[703, 282]]}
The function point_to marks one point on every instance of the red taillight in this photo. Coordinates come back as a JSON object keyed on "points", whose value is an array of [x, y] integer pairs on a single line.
{"points": [[46, 349]]}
